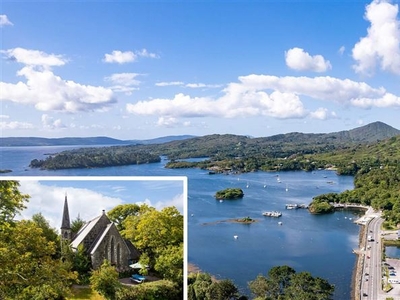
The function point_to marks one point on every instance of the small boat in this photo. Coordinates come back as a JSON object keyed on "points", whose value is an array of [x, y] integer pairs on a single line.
{"points": [[280, 223], [287, 189], [235, 237], [247, 186], [221, 200], [275, 214], [292, 206]]}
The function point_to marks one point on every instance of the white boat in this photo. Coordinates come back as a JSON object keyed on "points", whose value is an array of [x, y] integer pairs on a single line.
{"points": [[235, 237], [280, 223], [275, 214], [292, 206]]}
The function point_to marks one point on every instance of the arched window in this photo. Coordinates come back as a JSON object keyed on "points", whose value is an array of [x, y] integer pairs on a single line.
{"points": [[118, 255], [112, 254]]}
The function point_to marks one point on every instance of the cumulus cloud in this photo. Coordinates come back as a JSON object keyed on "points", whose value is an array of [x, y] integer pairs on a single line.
{"points": [[4, 21], [323, 114], [299, 60], [120, 57], [34, 57], [381, 46], [124, 82], [15, 125], [49, 200], [202, 85], [49, 122], [176, 201], [265, 95], [49, 92], [171, 122]]}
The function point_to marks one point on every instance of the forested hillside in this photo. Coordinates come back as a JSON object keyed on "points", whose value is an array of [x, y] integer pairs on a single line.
{"points": [[238, 153]]}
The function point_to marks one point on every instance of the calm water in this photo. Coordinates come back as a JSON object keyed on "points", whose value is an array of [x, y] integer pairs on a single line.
{"points": [[321, 245], [393, 252]]}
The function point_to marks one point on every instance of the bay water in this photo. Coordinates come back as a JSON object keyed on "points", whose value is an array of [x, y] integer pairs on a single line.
{"points": [[320, 244]]}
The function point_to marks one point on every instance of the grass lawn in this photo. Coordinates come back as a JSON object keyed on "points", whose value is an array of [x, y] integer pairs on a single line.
{"points": [[79, 293]]}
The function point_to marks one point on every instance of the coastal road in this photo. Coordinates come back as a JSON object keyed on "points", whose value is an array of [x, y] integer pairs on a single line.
{"points": [[372, 277]]}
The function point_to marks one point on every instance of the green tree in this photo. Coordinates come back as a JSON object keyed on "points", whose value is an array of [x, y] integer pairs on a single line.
{"points": [[119, 213], [81, 264], [49, 233], [11, 201], [222, 290], [105, 281], [28, 267], [284, 283], [153, 231], [169, 263], [77, 224]]}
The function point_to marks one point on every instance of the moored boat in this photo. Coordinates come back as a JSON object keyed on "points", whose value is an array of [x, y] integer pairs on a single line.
{"points": [[275, 214]]}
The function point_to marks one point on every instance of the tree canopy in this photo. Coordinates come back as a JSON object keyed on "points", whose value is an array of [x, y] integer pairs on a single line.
{"points": [[282, 282], [12, 201]]}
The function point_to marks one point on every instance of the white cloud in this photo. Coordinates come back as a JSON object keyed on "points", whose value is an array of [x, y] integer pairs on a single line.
{"points": [[172, 83], [124, 82], [167, 122], [145, 53], [202, 85], [4, 21], [171, 122], [4, 116], [264, 95], [120, 57], [387, 100], [34, 57], [15, 125], [49, 200], [48, 92], [341, 50], [381, 46], [176, 201], [323, 114], [299, 60], [49, 122]]}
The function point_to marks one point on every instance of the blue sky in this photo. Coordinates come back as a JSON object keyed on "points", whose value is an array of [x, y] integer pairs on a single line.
{"points": [[87, 197], [145, 69]]}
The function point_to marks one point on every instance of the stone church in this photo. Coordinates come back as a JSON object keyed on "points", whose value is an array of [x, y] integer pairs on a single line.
{"points": [[101, 240]]}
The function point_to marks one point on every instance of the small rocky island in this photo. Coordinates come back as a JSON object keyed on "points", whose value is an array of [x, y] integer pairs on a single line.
{"points": [[229, 194]]}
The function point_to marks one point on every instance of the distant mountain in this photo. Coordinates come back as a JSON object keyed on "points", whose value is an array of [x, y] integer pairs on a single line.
{"points": [[71, 141], [372, 132]]}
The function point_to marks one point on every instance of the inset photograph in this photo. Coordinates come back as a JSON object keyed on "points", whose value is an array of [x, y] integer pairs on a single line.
{"points": [[92, 237]]}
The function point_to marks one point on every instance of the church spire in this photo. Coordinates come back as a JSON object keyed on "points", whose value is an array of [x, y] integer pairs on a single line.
{"points": [[65, 224], [66, 233]]}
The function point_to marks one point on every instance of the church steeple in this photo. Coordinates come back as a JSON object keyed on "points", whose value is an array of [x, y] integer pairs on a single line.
{"points": [[65, 223]]}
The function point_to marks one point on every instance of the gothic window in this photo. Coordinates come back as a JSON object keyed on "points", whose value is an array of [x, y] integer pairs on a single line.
{"points": [[118, 255], [112, 255]]}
